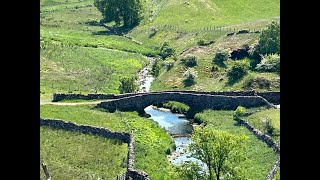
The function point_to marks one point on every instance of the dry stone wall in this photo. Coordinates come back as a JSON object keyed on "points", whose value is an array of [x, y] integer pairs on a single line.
{"points": [[123, 136]]}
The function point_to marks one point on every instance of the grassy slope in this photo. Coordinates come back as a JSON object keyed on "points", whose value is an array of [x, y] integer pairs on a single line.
{"points": [[70, 23], [199, 14], [274, 115], [151, 141], [64, 66], [72, 155], [261, 158]]}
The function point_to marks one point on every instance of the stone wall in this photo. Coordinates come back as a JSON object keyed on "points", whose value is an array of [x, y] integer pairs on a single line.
{"points": [[273, 97], [123, 136], [267, 139]]}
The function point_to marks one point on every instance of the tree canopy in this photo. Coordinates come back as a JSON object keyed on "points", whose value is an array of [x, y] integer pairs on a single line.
{"points": [[269, 41], [220, 151], [120, 11]]}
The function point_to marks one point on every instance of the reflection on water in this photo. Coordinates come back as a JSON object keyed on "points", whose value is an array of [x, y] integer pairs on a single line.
{"points": [[175, 126], [170, 121]]}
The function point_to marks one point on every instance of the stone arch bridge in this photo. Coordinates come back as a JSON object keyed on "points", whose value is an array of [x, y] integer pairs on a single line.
{"points": [[197, 101]]}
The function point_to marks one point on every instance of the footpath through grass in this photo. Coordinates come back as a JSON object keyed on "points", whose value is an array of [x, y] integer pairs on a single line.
{"points": [[73, 155], [151, 141]]}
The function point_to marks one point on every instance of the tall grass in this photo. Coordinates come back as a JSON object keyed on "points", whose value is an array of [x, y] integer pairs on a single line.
{"points": [[72, 155]]}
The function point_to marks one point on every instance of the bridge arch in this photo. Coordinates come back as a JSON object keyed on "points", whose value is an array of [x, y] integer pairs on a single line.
{"points": [[197, 102]]}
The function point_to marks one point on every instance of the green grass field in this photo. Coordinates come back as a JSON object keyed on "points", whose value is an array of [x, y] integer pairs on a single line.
{"points": [[261, 158], [65, 68], [72, 155], [273, 114], [151, 141]]}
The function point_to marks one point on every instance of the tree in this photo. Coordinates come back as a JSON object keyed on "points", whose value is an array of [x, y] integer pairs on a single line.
{"points": [[269, 40], [220, 151], [128, 85], [126, 11]]}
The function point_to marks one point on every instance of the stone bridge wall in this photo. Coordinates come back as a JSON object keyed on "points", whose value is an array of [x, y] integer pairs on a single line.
{"points": [[196, 102], [273, 97], [123, 136]]}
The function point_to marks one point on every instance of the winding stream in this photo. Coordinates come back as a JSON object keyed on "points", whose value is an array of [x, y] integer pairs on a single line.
{"points": [[179, 128]]}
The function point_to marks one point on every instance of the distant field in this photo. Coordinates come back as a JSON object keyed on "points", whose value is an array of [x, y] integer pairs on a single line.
{"points": [[65, 68], [72, 155], [151, 141], [261, 158]]}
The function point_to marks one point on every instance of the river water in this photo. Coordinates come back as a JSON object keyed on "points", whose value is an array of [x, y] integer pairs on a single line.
{"points": [[179, 128]]}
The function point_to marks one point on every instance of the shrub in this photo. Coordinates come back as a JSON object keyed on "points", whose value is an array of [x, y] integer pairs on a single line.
{"points": [[166, 50], [168, 151], [269, 40], [221, 56], [169, 64], [128, 85], [240, 111], [237, 71], [268, 128], [155, 71], [190, 74], [190, 61], [269, 63]]}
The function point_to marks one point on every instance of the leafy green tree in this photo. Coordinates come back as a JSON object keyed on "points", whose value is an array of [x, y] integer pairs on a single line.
{"points": [[126, 11], [221, 151], [269, 41], [128, 85]]}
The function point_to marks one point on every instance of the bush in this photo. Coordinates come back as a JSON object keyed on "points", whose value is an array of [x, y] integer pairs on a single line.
{"points": [[190, 74], [128, 85], [166, 50], [221, 56], [240, 111], [155, 71], [237, 71], [268, 128], [168, 151], [169, 64], [269, 63], [269, 40], [190, 61]]}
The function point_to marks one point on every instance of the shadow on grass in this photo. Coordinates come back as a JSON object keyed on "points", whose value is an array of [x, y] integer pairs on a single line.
{"points": [[220, 64], [231, 82], [188, 82], [111, 30]]}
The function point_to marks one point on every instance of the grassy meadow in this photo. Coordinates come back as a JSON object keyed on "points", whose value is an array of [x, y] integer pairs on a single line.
{"points": [[72, 155], [151, 141]]}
